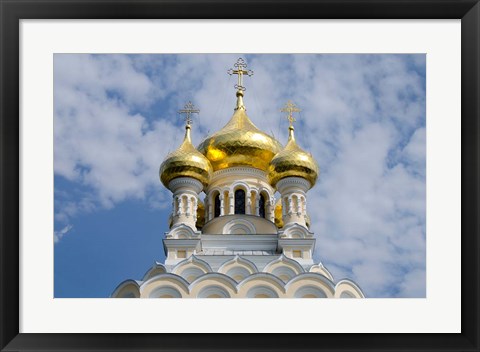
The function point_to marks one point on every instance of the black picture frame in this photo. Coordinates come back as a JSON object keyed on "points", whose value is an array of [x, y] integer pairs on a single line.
{"points": [[11, 11]]}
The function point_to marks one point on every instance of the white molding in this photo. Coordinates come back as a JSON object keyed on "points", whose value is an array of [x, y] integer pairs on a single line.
{"points": [[293, 182], [192, 261], [189, 182], [286, 262], [240, 242], [239, 224], [239, 171]]}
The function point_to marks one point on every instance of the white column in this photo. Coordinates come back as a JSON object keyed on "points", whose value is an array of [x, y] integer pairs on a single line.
{"points": [[232, 204], [189, 206], [222, 204], [185, 191], [299, 205], [293, 211], [290, 205], [179, 206], [194, 210], [248, 204], [257, 204], [271, 210]]}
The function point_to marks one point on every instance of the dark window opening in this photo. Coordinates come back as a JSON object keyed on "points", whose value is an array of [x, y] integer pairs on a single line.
{"points": [[261, 205], [239, 201], [216, 212]]}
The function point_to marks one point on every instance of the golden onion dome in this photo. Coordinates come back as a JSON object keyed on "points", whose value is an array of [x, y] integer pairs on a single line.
{"points": [[240, 143], [293, 161], [186, 161]]}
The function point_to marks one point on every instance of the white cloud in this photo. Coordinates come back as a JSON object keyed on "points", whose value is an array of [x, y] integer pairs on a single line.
{"points": [[363, 119], [58, 235]]}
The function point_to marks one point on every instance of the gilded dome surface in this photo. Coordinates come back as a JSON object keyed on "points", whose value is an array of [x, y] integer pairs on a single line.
{"points": [[240, 143], [186, 161], [293, 161]]}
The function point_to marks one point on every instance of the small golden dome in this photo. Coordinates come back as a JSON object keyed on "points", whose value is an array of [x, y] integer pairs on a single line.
{"points": [[293, 161], [186, 161], [240, 143]]}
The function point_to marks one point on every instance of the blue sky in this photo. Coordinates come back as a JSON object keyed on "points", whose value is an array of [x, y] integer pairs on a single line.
{"points": [[363, 119]]}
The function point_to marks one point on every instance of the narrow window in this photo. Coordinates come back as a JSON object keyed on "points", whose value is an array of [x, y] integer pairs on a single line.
{"points": [[217, 206], [261, 206], [239, 201]]}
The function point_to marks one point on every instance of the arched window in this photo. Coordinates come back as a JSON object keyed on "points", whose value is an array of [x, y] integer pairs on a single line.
{"points": [[239, 201], [261, 206], [216, 212]]}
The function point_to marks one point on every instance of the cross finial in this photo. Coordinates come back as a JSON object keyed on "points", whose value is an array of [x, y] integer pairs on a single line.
{"points": [[188, 110], [290, 108], [240, 70]]}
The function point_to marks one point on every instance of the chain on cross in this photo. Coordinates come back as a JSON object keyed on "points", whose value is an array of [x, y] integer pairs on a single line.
{"points": [[188, 110], [240, 70], [290, 108]]}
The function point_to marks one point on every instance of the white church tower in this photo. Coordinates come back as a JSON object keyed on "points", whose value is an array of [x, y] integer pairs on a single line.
{"points": [[239, 242]]}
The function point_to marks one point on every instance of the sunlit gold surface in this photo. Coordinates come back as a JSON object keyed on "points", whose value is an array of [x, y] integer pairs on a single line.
{"points": [[239, 143], [278, 214], [200, 215], [186, 161], [293, 161]]}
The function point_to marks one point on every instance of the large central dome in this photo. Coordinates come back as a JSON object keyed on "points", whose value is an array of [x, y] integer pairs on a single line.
{"points": [[240, 143]]}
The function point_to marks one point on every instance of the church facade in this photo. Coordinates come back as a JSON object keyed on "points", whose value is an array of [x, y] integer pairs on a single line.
{"points": [[240, 241]]}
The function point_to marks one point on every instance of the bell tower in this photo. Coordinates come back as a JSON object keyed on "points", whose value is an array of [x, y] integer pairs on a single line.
{"points": [[250, 245]]}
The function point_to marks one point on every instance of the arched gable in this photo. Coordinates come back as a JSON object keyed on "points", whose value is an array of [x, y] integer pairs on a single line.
{"points": [[192, 268], [181, 231], [238, 268], [319, 268], [296, 231], [348, 289], [156, 269], [284, 268], [310, 280], [210, 280], [152, 288], [262, 280], [127, 289]]}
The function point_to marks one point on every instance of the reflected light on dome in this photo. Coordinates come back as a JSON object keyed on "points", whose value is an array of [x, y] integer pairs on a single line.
{"points": [[215, 154]]}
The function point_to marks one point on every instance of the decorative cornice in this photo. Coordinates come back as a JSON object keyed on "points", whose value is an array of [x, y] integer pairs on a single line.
{"points": [[239, 170], [293, 181], [185, 181]]}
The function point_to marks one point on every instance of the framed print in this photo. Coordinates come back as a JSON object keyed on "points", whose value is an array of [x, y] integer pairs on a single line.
{"points": [[183, 151]]}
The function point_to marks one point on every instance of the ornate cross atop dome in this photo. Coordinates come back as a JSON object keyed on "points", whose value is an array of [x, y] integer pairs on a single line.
{"points": [[188, 110], [240, 70], [290, 108]]}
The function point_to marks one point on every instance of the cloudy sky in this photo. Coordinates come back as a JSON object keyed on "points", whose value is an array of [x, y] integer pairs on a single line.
{"points": [[363, 119]]}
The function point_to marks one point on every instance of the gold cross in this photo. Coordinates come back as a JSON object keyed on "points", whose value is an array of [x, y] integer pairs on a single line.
{"points": [[240, 70], [290, 108], [188, 110]]}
